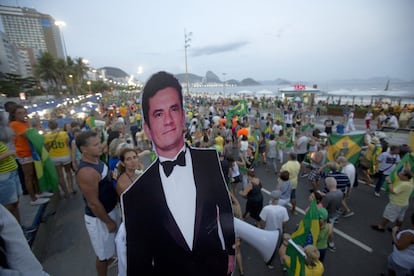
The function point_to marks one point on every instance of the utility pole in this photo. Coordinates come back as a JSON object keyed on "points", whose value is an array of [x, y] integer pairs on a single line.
{"points": [[187, 39]]}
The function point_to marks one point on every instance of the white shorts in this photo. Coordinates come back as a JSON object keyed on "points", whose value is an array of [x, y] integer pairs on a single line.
{"points": [[394, 212], [62, 160], [103, 242]]}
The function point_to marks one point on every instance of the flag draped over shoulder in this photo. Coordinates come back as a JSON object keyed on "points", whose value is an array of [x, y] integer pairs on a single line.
{"points": [[45, 168], [307, 233], [407, 160], [345, 145], [239, 109]]}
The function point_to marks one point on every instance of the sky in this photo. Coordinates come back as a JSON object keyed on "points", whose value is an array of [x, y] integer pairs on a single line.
{"points": [[304, 40]]}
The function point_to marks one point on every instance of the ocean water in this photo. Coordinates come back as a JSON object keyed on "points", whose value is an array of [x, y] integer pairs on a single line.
{"points": [[360, 93]]}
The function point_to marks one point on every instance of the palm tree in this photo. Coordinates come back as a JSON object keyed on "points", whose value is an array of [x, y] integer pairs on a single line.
{"points": [[45, 70]]}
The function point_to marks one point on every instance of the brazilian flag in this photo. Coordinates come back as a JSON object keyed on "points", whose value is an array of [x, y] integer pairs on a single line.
{"points": [[406, 161], [345, 145], [306, 234], [46, 173], [239, 109]]}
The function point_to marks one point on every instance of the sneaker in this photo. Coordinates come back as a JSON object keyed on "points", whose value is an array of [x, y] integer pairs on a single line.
{"points": [[332, 247], [44, 194], [340, 211], [371, 185], [40, 201], [377, 228], [270, 267], [303, 175], [377, 194], [348, 214]]}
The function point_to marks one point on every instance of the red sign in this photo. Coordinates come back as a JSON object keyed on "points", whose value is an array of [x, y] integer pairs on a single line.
{"points": [[299, 87]]}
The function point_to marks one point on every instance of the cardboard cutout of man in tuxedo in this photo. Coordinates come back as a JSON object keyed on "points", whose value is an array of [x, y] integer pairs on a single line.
{"points": [[178, 215]]}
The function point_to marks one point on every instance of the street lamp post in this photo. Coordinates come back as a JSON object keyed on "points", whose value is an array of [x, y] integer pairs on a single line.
{"points": [[61, 24], [187, 39], [71, 84], [89, 84]]}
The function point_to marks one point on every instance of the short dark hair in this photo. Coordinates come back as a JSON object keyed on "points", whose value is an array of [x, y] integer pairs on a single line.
{"points": [[157, 82], [52, 124], [83, 138], [284, 175], [293, 156]]}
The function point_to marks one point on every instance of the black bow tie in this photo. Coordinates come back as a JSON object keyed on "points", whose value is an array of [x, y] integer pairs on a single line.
{"points": [[168, 166]]}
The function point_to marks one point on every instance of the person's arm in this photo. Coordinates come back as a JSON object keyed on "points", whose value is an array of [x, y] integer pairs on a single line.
{"points": [[7, 154], [405, 240], [88, 180], [246, 189], [122, 184], [73, 156]]}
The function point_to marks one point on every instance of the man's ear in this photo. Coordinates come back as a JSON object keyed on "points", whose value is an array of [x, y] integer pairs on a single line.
{"points": [[147, 131]]}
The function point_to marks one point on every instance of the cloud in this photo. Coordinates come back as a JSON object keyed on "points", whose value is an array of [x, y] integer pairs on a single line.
{"points": [[217, 49]]}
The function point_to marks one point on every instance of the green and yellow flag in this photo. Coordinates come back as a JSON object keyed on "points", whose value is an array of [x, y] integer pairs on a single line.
{"points": [[345, 145], [239, 109], [46, 173], [407, 160], [306, 234]]}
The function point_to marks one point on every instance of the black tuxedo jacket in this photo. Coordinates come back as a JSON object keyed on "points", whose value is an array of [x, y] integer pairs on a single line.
{"points": [[155, 244]]}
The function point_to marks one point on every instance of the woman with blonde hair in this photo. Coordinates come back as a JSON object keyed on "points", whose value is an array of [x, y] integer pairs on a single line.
{"points": [[313, 265]]}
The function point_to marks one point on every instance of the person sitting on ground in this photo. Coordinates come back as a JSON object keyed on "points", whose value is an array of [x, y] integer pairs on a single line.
{"points": [[401, 260], [313, 265]]}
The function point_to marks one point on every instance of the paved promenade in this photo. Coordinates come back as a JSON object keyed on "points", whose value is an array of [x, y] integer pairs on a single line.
{"points": [[62, 245]]}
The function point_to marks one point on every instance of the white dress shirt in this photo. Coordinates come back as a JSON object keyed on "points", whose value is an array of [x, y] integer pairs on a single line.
{"points": [[180, 193]]}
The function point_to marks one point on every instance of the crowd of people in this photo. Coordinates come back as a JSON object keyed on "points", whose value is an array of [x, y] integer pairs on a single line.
{"points": [[107, 160]]}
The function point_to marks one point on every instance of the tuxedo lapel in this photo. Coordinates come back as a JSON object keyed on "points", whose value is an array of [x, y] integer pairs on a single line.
{"points": [[168, 223]]}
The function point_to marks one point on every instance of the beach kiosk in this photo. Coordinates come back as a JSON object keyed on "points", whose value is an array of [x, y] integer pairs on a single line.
{"points": [[300, 92]]}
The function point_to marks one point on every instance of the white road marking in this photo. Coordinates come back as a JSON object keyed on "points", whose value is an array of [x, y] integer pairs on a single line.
{"points": [[337, 231]]}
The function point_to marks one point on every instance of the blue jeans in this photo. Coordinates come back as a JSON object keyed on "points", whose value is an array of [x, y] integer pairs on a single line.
{"points": [[380, 181]]}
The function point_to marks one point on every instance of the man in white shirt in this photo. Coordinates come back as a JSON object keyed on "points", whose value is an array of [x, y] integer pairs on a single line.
{"points": [[178, 214], [274, 216]]}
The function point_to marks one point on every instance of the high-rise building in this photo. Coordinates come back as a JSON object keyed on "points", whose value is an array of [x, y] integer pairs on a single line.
{"points": [[32, 33]]}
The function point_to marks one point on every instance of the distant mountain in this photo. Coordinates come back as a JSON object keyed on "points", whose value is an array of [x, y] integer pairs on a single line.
{"points": [[192, 78], [249, 82], [211, 77], [277, 81]]}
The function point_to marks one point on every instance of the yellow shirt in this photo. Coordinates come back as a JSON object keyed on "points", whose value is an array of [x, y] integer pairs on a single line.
{"points": [[57, 143], [316, 270], [293, 167], [402, 192]]}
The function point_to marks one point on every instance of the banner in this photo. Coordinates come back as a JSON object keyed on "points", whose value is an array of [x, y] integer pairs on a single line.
{"points": [[44, 167], [306, 234], [345, 145]]}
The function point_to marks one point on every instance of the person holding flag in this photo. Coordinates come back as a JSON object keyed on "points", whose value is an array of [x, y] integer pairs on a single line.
{"points": [[304, 261]]}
